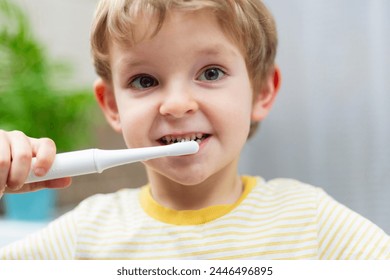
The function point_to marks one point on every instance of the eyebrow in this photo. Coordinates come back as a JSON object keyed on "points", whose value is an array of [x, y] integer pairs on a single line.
{"points": [[130, 62], [216, 49], [126, 63]]}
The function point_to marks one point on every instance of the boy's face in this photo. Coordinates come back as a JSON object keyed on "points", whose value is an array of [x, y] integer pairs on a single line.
{"points": [[188, 81]]}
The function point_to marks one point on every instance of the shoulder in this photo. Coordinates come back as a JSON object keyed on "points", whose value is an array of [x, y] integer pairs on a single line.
{"points": [[340, 232], [287, 183], [286, 186], [285, 195], [286, 192]]}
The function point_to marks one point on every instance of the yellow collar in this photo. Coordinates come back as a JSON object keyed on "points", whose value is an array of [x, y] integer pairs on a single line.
{"points": [[191, 217]]}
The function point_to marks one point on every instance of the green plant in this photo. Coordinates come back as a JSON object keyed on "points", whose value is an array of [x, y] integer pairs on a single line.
{"points": [[33, 95]]}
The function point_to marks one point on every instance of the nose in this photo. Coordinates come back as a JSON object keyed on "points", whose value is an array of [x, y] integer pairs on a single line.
{"points": [[178, 102]]}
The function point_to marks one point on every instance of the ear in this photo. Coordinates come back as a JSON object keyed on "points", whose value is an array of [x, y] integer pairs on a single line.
{"points": [[266, 97], [105, 96]]}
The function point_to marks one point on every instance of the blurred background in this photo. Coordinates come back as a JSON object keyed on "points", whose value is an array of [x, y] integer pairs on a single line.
{"points": [[330, 126]]}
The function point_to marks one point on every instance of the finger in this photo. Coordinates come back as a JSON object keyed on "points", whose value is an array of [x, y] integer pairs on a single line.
{"points": [[5, 160], [44, 150], [21, 156], [50, 184]]}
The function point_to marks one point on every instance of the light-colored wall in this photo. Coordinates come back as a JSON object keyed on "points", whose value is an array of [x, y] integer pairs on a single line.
{"points": [[331, 123]]}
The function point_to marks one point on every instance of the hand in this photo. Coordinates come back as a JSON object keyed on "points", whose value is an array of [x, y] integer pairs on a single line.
{"points": [[16, 153]]}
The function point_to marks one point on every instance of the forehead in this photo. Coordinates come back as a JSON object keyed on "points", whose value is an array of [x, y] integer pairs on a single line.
{"points": [[145, 26], [186, 33]]}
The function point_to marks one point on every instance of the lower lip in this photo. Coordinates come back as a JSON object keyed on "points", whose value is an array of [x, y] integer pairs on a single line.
{"points": [[203, 143]]}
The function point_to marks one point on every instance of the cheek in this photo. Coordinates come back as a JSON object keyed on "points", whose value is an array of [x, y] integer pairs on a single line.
{"points": [[240, 115], [239, 125], [233, 117], [239, 106], [135, 120]]}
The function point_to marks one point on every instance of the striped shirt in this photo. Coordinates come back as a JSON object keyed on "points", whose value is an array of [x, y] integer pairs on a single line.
{"points": [[278, 219]]}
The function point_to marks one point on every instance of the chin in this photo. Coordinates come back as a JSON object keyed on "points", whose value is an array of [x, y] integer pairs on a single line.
{"points": [[181, 176], [189, 181], [187, 178]]}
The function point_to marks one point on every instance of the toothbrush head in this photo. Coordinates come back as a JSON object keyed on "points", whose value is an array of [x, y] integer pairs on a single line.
{"points": [[183, 148]]}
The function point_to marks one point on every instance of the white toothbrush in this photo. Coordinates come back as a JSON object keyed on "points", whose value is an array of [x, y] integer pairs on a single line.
{"points": [[96, 161]]}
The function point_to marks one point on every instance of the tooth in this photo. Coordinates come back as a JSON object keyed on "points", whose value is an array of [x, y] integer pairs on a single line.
{"points": [[188, 138], [199, 135], [183, 140], [198, 141], [193, 137]]}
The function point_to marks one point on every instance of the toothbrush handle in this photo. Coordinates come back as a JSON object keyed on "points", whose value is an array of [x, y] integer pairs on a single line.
{"points": [[67, 164], [96, 161]]}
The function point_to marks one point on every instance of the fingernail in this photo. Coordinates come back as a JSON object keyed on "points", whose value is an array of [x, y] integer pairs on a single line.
{"points": [[39, 171]]}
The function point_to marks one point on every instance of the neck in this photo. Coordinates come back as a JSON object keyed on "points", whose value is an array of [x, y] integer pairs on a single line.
{"points": [[221, 188]]}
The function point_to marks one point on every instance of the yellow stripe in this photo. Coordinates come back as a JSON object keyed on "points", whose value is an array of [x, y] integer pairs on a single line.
{"points": [[364, 249], [18, 253], [331, 227], [257, 254], [280, 212], [350, 238], [375, 246], [117, 223], [282, 185], [38, 247], [109, 228], [232, 258], [129, 243], [52, 246], [208, 252], [24, 248], [56, 237], [325, 222], [45, 248], [144, 235], [203, 246], [210, 243], [67, 235], [303, 257], [340, 240], [324, 208], [29, 250], [382, 252], [284, 197], [343, 237], [357, 243]]}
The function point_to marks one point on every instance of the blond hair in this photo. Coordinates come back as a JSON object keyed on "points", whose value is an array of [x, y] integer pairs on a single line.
{"points": [[247, 22]]}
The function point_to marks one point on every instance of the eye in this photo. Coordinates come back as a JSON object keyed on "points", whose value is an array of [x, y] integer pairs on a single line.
{"points": [[211, 74], [143, 82]]}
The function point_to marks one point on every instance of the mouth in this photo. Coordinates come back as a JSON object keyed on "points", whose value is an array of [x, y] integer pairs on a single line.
{"points": [[171, 139]]}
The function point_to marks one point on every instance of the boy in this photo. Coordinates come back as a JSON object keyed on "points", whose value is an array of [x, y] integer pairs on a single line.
{"points": [[195, 70]]}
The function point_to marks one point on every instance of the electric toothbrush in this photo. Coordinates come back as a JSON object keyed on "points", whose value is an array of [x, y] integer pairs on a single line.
{"points": [[96, 161]]}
